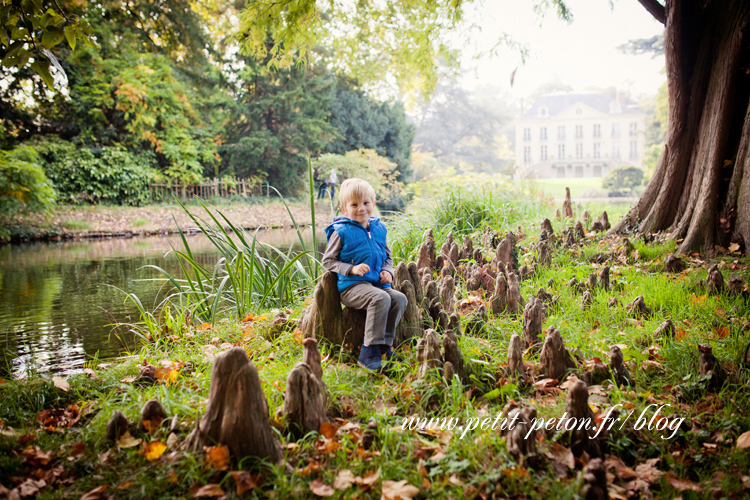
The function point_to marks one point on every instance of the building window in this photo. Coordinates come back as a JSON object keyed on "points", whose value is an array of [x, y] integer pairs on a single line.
{"points": [[527, 154], [633, 150], [543, 133], [597, 131], [579, 111], [579, 131], [615, 130], [633, 129], [597, 150], [543, 153], [579, 151], [616, 150], [561, 151], [561, 133], [527, 134]]}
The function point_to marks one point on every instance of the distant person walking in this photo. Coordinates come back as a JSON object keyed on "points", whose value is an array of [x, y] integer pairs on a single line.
{"points": [[332, 180], [323, 188]]}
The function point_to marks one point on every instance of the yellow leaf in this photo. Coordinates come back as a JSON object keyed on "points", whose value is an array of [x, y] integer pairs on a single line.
{"points": [[744, 441], [61, 383], [249, 317], [733, 247], [153, 450], [128, 441], [205, 326], [168, 375]]}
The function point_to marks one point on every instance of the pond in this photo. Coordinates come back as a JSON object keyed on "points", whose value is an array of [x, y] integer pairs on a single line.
{"points": [[59, 301]]}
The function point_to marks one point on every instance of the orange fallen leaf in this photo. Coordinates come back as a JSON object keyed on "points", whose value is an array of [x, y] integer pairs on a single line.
{"points": [[167, 375], [680, 334], [153, 450], [328, 430], [249, 317], [299, 335], [78, 451], [245, 481], [722, 332], [697, 299], [217, 457], [208, 490], [204, 327]]}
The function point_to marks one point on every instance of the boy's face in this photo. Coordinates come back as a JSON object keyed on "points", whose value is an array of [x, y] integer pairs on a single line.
{"points": [[359, 210]]}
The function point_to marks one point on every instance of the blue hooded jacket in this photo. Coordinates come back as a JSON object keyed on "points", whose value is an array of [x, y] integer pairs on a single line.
{"points": [[360, 246]]}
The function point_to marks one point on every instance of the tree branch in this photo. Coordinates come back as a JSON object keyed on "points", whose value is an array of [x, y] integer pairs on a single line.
{"points": [[655, 9]]}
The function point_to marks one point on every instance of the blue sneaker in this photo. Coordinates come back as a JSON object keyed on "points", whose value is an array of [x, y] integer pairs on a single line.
{"points": [[389, 354], [369, 358]]}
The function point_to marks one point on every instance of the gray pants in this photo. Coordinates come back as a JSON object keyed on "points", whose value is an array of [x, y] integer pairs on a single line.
{"points": [[384, 307]]}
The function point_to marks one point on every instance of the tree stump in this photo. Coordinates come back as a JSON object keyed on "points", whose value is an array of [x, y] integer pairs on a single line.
{"points": [[613, 302], [601, 223], [521, 440], [586, 217], [423, 257], [715, 280], [577, 287], [117, 426], [237, 412], [580, 439], [545, 297], [533, 318], [306, 396], [547, 234], [506, 252], [428, 354], [555, 359], [467, 250], [604, 278], [446, 291], [596, 374], [570, 241], [736, 285], [515, 299], [415, 281], [152, 415], [673, 264], [400, 274], [666, 329], [452, 354], [580, 233], [639, 308], [432, 300], [709, 365], [370, 434], [516, 368], [442, 321], [591, 282], [478, 257], [324, 318], [567, 205], [453, 254], [587, 300], [595, 481], [499, 300], [544, 257], [410, 325], [620, 372], [558, 215]]}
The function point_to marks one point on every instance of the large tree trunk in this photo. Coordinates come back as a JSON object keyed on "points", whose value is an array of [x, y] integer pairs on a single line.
{"points": [[701, 187]]}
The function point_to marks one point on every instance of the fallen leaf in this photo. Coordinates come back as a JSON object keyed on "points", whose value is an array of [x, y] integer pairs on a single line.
{"points": [[369, 479], [680, 334], [245, 481], [78, 451], [682, 484], [61, 383], [743, 441], [98, 493], [398, 490], [128, 441], [733, 247], [204, 327], [648, 471], [167, 375], [563, 455], [34, 456], [90, 373], [153, 450], [620, 469], [208, 490], [129, 379], [321, 489], [722, 332], [299, 335], [344, 479], [125, 485], [328, 430], [217, 457]]}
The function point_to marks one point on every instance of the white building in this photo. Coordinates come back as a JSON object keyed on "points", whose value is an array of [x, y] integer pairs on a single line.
{"points": [[584, 134]]}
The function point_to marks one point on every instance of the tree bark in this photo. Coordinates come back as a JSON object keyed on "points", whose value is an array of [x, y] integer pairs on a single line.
{"points": [[701, 187]]}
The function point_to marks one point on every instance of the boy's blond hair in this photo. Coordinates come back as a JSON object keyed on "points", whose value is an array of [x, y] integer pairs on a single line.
{"points": [[355, 189]]}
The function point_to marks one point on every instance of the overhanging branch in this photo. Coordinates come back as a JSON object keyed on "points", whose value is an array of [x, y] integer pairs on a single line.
{"points": [[655, 9]]}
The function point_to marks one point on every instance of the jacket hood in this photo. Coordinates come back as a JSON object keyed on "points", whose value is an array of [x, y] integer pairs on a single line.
{"points": [[341, 219]]}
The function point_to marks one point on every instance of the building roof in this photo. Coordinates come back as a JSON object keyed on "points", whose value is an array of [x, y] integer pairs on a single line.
{"points": [[556, 102]]}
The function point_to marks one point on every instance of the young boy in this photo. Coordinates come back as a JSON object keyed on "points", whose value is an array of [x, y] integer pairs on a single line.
{"points": [[358, 253]]}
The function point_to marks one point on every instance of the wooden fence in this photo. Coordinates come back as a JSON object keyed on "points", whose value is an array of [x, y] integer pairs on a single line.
{"points": [[224, 188]]}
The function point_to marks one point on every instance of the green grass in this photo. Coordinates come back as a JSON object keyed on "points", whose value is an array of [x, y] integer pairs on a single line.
{"points": [[556, 187], [76, 225], [477, 462]]}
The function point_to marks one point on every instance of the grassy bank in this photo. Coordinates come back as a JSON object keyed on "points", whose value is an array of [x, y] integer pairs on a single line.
{"points": [[701, 459]]}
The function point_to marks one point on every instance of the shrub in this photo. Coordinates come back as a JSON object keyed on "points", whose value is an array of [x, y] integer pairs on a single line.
{"points": [[110, 175], [23, 184], [623, 178]]}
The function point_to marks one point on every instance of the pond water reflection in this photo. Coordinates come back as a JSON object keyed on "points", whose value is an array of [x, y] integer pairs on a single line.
{"points": [[58, 301]]}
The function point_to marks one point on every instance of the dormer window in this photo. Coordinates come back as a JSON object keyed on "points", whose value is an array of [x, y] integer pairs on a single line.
{"points": [[579, 111], [543, 112]]}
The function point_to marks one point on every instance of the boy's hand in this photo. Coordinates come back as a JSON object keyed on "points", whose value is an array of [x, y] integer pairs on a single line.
{"points": [[385, 277], [360, 269]]}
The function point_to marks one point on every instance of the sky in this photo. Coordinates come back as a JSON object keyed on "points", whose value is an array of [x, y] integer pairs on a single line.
{"points": [[581, 54]]}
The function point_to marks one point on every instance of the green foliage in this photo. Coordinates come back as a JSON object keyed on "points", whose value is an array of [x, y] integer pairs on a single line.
{"points": [[623, 178], [108, 175], [278, 118], [23, 184], [365, 164], [362, 122]]}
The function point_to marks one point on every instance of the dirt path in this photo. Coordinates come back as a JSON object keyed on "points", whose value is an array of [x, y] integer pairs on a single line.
{"points": [[108, 221]]}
